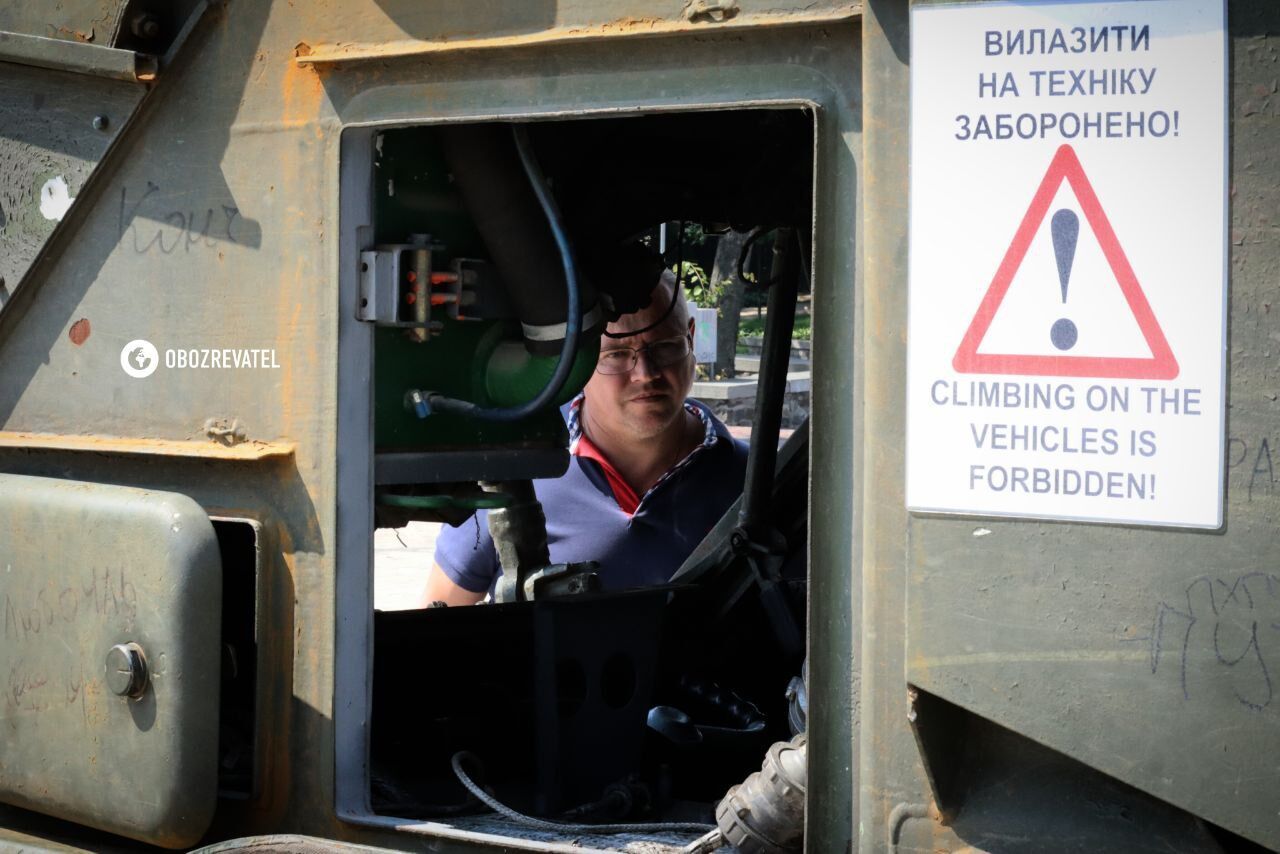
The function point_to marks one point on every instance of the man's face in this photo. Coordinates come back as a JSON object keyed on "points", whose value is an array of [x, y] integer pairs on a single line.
{"points": [[649, 399]]}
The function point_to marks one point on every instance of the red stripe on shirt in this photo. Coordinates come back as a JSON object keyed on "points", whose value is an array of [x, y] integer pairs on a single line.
{"points": [[626, 497]]}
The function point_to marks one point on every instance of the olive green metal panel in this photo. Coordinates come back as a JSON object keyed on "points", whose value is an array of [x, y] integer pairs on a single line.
{"points": [[892, 788], [88, 567], [215, 222], [835, 517], [1151, 655]]}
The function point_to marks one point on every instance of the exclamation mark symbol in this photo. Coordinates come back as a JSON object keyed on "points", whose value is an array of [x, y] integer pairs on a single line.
{"points": [[1065, 230]]}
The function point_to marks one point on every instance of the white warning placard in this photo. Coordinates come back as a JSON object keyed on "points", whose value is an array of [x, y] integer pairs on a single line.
{"points": [[1068, 260]]}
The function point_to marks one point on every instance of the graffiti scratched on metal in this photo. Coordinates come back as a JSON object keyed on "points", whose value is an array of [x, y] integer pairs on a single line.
{"points": [[334, 54], [93, 572], [67, 110], [156, 447]]}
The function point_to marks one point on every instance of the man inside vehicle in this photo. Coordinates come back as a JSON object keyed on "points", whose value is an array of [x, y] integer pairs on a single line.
{"points": [[650, 472]]}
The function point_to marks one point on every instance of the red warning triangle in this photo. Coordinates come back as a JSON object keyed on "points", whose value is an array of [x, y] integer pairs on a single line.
{"points": [[1161, 365]]}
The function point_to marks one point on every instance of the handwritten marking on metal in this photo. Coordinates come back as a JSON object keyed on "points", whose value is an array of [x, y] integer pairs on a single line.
{"points": [[1238, 617]]}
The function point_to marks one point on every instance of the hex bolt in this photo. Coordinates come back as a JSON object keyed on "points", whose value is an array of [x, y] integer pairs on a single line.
{"points": [[145, 25], [100, 122], [127, 670]]}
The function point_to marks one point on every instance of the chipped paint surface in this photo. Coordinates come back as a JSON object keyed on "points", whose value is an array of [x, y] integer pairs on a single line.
{"points": [[55, 198], [43, 167], [79, 332], [631, 26], [247, 450]]}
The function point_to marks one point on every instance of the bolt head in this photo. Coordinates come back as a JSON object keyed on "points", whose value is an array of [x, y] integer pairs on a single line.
{"points": [[101, 122], [145, 25], [126, 670]]}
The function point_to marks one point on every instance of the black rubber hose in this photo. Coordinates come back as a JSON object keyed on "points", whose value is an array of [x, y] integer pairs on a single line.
{"points": [[426, 403], [675, 296], [495, 189]]}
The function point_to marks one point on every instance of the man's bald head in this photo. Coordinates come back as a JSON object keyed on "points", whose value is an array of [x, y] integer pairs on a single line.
{"points": [[659, 300]]}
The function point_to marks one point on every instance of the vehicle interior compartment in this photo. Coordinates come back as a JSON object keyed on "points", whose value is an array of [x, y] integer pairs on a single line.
{"points": [[565, 702]]}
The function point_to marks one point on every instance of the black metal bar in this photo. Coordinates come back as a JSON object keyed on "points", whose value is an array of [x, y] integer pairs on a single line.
{"points": [[775, 357]]}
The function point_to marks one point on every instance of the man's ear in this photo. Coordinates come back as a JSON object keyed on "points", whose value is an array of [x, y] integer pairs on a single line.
{"points": [[691, 327]]}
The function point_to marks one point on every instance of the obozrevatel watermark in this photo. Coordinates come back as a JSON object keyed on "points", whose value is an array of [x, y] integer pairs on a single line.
{"points": [[140, 358]]}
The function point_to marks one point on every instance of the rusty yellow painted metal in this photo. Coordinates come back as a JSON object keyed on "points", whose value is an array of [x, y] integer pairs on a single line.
{"points": [[208, 450], [628, 27]]}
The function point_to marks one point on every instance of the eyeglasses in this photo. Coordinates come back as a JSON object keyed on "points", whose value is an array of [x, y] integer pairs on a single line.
{"points": [[622, 360]]}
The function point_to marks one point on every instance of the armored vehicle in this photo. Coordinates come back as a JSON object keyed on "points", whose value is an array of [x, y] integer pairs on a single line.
{"points": [[277, 273]]}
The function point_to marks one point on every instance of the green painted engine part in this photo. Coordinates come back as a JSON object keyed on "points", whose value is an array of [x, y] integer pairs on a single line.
{"points": [[484, 362], [503, 373], [512, 376]]}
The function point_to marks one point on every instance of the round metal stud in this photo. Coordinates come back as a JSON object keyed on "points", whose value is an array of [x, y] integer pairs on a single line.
{"points": [[127, 670]]}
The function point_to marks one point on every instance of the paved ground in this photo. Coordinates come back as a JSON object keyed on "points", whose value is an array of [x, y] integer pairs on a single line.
{"points": [[401, 558]]}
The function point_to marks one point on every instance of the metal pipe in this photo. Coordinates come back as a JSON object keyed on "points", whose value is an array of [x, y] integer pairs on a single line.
{"points": [[771, 386], [505, 201]]}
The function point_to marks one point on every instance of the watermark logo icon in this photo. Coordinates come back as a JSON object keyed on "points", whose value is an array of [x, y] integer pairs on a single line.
{"points": [[139, 358]]}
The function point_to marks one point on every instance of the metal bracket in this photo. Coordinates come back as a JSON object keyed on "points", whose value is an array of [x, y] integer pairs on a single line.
{"points": [[562, 579], [381, 272], [398, 287]]}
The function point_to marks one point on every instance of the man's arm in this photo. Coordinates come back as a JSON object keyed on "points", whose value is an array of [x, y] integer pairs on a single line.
{"points": [[464, 567], [441, 588]]}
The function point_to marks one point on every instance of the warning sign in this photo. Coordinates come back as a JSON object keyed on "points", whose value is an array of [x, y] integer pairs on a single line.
{"points": [[1068, 261], [1064, 334]]}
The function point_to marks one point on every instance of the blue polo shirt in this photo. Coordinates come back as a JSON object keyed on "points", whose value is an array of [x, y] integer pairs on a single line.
{"points": [[585, 521]]}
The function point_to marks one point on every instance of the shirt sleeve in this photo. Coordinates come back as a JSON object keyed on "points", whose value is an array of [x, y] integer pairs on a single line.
{"points": [[466, 554]]}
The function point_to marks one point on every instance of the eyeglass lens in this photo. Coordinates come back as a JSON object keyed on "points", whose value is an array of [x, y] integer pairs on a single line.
{"points": [[622, 360]]}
